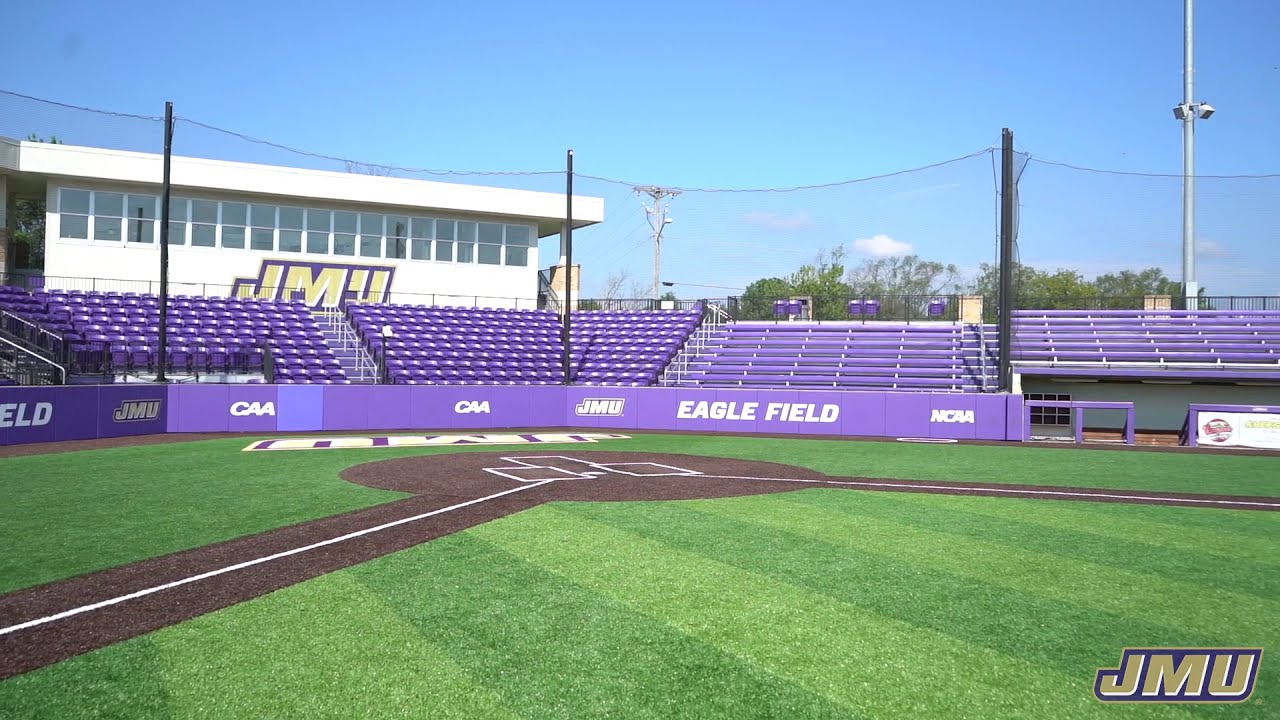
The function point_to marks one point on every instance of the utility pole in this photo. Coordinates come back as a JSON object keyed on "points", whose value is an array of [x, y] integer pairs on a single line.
{"points": [[658, 220]]}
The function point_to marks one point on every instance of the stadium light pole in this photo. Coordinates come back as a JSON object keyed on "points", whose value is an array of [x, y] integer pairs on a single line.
{"points": [[163, 351], [568, 265], [1188, 112]]}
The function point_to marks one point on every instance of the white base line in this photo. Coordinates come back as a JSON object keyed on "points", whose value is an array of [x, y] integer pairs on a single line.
{"points": [[249, 563], [1064, 493]]}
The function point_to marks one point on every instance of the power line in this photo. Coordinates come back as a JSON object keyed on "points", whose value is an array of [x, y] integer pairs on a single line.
{"points": [[1179, 176]]}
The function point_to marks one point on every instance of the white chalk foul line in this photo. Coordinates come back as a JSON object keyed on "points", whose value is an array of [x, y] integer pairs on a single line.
{"points": [[1063, 493], [249, 563]]}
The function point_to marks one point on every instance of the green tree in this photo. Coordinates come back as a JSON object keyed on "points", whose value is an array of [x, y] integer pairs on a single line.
{"points": [[823, 281], [757, 299], [28, 234]]}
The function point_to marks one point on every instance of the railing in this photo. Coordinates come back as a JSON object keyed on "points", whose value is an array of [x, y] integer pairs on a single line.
{"points": [[846, 308], [713, 318], [28, 368], [338, 321], [634, 304]]}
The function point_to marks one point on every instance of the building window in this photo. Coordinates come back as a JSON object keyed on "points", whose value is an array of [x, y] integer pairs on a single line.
{"points": [[235, 217], [178, 208], [466, 248], [444, 240], [1049, 415], [204, 223], [142, 219], [421, 230], [73, 213], [397, 236], [318, 226], [344, 233], [262, 236], [108, 216], [518, 240]]}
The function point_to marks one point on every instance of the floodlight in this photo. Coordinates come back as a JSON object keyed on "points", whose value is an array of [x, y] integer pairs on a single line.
{"points": [[1206, 110], [1180, 112]]}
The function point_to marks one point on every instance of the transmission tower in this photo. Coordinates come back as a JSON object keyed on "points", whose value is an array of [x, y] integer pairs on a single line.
{"points": [[658, 220]]}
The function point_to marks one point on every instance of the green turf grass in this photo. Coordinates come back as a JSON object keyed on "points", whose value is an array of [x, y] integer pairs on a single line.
{"points": [[66, 514], [820, 603]]}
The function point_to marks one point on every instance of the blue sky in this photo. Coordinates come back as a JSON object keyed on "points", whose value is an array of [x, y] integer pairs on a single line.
{"points": [[734, 95]]}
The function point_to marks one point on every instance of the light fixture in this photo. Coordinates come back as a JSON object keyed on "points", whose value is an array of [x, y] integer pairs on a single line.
{"points": [[1180, 112], [1206, 110]]}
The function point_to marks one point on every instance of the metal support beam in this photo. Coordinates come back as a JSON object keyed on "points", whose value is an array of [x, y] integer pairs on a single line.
{"points": [[163, 350], [1008, 206]]}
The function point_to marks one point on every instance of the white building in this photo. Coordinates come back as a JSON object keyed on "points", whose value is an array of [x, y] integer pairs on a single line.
{"points": [[271, 231]]}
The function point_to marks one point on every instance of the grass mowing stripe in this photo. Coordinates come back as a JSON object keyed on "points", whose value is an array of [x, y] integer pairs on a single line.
{"points": [[126, 682], [881, 666], [1239, 575], [325, 648], [557, 650], [855, 523], [1046, 631], [1230, 534], [1115, 469]]}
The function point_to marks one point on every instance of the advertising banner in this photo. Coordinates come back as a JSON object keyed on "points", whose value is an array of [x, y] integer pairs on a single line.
{"points": [[47, 414], [1238, 429]]}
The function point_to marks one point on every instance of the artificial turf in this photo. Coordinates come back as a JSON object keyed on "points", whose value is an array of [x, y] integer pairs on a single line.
{"points": [[820, 603], [70, 513]]}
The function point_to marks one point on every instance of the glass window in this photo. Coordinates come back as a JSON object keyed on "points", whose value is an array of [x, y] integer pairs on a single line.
{"points": [[318, 242], [235, 214], [204, 211], [371, 225], [74, 226], [141, 231], [73, 201], [420, 249], [204, 235], [489, 232], [517, 256], [263, 239], [344, 222], [107, 228], [108, 204], [444, 250], [291, 240], [344, 244], [142, 206], [490, 254], [178, 209], [263, 216], [519, 235], [177, 233], [370, 246], [422, 228], [466, 242], [232, 236], [318, 220], [397, 234], [444, 229], [466, 252], [291, 218]]}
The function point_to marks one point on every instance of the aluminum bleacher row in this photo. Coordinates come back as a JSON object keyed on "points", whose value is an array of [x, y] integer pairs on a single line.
{"points": [[447, 345], [875, 356], [1196, 344]]}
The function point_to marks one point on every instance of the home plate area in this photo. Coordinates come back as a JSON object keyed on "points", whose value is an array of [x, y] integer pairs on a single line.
{"points": [[543, 468]]}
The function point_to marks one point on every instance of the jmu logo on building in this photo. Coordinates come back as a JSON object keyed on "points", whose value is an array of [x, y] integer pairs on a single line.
{"points": [[1180, 675], [316, 283], [134, 410]]}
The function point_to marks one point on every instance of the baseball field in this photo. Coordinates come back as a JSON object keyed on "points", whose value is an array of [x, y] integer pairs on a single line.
{"points": [[591, 575]]}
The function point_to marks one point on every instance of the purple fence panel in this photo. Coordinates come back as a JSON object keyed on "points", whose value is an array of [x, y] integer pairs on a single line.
{"points": [[796, 412], [1013, 429], [428, 409], [34, 414], [202, 408], [907, 414], [390, 407], [601, 407], [862, 414], [955, 416], [549, 407], [739, 411], [299, 407], [252, 408], [346, 407], [140, 409]]}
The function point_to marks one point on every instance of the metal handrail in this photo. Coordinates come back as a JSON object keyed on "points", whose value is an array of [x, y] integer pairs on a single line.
{"points": [[38, 357]]}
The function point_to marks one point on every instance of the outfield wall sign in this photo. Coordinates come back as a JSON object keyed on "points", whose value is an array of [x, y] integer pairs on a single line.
{"points": [[1236, 429]]}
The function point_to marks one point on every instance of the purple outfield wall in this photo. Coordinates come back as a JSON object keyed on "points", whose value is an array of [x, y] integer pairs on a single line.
{"points": [[87, 412]]}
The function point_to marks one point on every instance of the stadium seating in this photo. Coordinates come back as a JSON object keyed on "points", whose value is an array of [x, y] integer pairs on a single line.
{"points": [[117, 333], [871, 356], [436, 345], [1198, 343]]}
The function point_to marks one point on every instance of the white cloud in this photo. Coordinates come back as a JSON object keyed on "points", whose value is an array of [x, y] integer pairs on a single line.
{"points": [[881, 246], [1211, 248], [777, 221]]}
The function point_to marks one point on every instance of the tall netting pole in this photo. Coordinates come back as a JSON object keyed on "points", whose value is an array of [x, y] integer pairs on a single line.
{"points": [[568, 267], [1008, 205], [162, 360]]}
